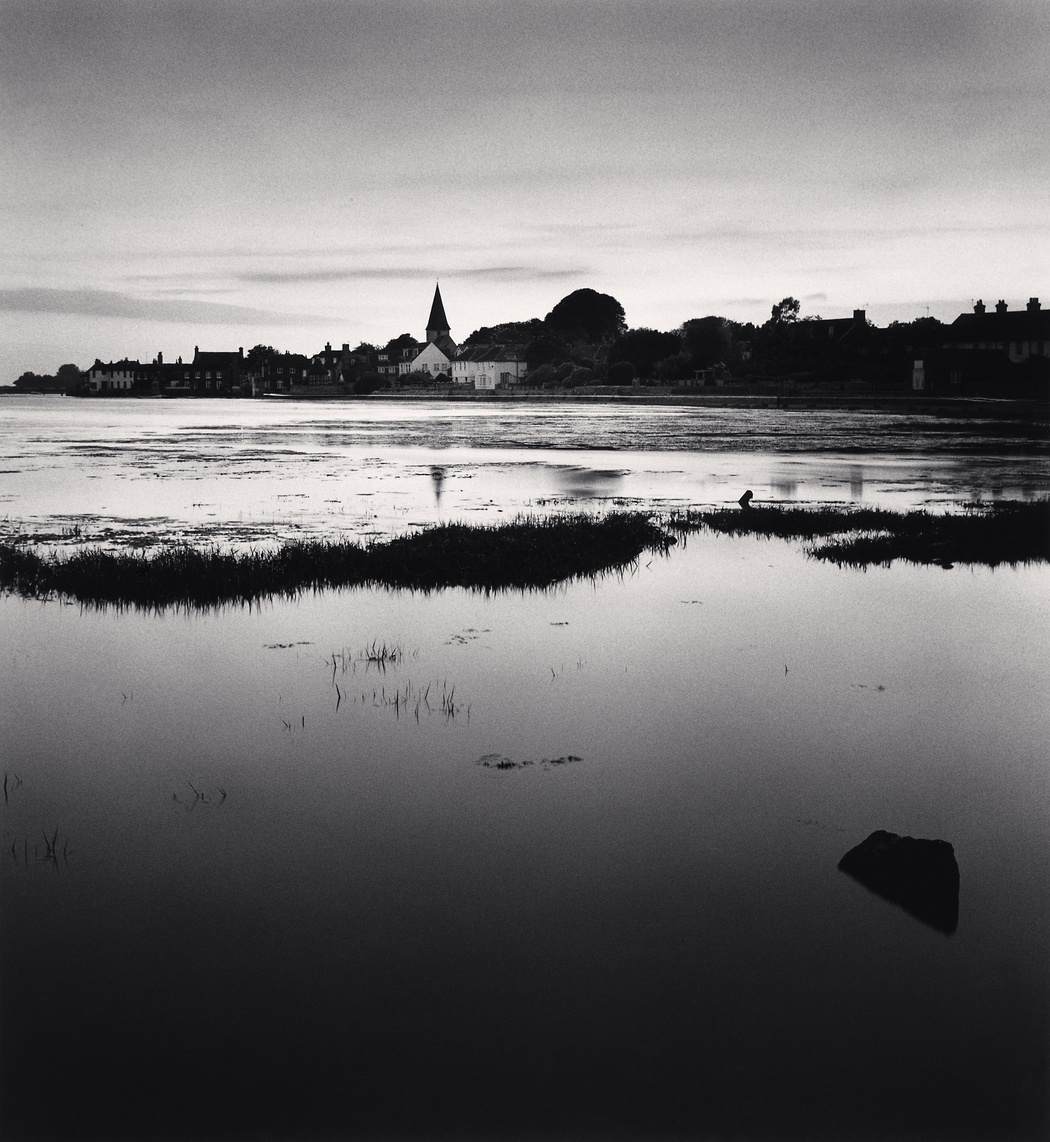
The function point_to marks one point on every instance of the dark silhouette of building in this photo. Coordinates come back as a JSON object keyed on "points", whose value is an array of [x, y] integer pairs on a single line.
{"points": [[1020, 334]]}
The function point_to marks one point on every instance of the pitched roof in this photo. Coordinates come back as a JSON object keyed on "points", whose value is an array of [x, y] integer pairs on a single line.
{"points": [[1015, 325], [216, 360], [496, 353], [437, 320]]}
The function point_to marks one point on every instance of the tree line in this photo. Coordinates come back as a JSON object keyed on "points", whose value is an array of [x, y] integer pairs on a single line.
{"points": [[585, 339]]}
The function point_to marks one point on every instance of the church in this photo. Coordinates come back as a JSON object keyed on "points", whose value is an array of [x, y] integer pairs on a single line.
{"points": [[436, 356]]}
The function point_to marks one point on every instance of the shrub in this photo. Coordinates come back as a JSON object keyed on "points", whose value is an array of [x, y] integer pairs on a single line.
{"points": [[622, 373]]}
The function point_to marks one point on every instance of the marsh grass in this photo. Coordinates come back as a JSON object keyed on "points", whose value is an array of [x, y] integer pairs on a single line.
{"points": [[522, 554], [527, 553], [1008, 532]]}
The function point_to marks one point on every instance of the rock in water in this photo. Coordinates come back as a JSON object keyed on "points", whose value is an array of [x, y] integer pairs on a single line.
{"points": [[919, 875]]}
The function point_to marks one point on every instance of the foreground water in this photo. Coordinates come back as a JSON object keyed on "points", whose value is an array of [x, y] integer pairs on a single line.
{"points": [[564, 865]]}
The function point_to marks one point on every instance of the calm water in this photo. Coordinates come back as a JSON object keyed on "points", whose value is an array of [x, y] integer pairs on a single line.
{"points": [[566, 867]]}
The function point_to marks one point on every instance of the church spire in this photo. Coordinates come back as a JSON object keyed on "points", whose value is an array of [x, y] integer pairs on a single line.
{"points": [[437, 326]]}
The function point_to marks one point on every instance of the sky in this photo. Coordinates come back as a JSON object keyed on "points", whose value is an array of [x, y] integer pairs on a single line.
{"points": [[224, 173]]}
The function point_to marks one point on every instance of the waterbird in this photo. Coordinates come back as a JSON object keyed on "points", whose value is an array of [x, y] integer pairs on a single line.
{"points": [[745, 499]]}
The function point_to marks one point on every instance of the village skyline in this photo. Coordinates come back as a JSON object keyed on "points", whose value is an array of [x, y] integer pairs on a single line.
{"points": [[222, 173], [585, 340]]}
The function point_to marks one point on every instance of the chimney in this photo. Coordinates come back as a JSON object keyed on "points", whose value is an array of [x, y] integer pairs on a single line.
{"points": [[858, 316], [240, 350], [978, 306], [1033, 305], [346, 346], [1000, 306]]}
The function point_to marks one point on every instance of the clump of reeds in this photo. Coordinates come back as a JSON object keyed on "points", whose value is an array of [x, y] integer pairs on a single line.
{"points": [[522, 554], [1005, 532], [381, 656]]}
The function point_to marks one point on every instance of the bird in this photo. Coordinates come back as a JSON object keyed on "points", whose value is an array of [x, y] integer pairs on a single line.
{"points": [[745, 499]]}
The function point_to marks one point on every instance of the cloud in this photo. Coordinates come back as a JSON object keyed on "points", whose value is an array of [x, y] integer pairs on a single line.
{"points": [[106, 303], [415, 273]]}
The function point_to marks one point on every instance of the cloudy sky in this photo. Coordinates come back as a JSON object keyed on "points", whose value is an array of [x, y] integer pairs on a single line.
{"points": [[228, 172]]}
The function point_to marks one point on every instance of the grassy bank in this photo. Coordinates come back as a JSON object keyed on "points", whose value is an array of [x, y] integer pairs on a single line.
{"points": [[1010, 532], [526, 553]]}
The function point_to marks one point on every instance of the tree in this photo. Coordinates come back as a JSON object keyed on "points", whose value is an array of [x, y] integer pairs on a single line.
{"points": [[257, 356], [643, 348], [506, 333], [677, 368], [622, 373], [785, 311], [707, 340], [544, 374], [587, 315], [367, 383], [29, 381], [545, 350]]}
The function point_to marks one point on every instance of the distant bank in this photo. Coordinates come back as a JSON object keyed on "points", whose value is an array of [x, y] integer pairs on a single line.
{"points": [[782, 397]]}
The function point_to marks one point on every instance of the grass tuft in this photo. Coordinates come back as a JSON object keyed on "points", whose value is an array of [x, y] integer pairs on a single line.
{"points": [[522, 554], [1007, 532]]}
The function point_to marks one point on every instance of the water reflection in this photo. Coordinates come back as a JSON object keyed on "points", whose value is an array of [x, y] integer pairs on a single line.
{"points": [[437, 478], [641, 795], [600, 904], [187, 474], [856, 482]]}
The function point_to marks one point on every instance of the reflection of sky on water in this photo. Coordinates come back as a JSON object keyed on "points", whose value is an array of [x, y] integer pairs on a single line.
{"points": [[368, 911], [263, 471], [293, 891]]}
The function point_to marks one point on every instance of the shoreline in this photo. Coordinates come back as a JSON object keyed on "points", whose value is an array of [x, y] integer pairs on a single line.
{"points": [[985, 407]]}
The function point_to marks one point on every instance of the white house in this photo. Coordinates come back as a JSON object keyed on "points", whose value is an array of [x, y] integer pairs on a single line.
{"points": [[114, 377], [431, 359], [484, 367]]}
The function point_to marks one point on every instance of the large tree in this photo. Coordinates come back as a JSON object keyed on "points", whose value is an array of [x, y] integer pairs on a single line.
{"points": [[506, 333], [586, 315], [707, 340]]}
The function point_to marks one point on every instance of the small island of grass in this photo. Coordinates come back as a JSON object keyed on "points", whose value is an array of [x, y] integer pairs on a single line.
{"points": [[527, 553], [523, 554]]}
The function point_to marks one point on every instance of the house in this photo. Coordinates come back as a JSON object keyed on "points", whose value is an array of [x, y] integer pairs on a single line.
{"points": [[390, 359], [116, 377], [1000, 352], [1021, 334], [329, 363], [430, 359], [278, 373], [484, 367], [836, 330], [435, 357], [215, 374]]}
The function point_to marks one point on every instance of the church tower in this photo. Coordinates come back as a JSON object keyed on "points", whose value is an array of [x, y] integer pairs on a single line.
{"points": [[437, 326]]}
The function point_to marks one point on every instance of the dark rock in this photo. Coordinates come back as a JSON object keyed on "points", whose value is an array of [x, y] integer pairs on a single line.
{"points": [[919, 875]]}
